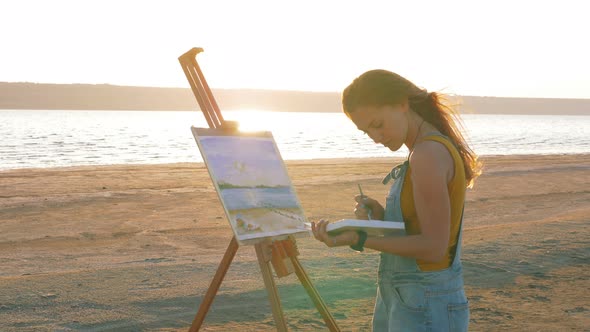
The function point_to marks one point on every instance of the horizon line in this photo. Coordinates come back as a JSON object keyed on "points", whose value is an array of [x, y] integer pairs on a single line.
{"points": [[272, 90]]}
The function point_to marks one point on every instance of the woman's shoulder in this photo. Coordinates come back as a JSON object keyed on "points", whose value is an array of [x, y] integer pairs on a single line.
{"points": [[432, 148], [431, 156]]}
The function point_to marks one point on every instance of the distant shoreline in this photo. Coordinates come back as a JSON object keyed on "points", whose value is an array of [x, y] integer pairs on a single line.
{"points": [[309, 162], [41, 96]]}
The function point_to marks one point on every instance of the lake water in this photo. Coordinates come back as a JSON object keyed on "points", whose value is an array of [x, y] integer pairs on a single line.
{"points": [[72, 138]]}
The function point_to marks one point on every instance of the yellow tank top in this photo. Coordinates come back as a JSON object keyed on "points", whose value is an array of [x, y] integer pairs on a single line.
{"points": [[456, 188]]}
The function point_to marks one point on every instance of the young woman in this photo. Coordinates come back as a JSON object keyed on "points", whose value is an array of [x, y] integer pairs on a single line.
{"points": [[420, 281]]}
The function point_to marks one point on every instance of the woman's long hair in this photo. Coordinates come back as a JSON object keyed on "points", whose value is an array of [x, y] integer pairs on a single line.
{"points": [[381, 87]]}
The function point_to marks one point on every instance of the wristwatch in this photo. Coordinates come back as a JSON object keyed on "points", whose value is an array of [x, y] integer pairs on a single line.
{"points": [[360, 244]]}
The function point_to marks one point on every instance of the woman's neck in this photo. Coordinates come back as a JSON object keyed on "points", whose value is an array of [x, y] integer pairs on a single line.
{"points": [[418, 130]]}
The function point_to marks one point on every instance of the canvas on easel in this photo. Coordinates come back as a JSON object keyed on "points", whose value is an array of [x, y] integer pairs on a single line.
{"points": [[252, 183]]}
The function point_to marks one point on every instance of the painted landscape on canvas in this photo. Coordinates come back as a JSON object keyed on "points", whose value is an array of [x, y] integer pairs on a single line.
{"points": [[252, 182]]}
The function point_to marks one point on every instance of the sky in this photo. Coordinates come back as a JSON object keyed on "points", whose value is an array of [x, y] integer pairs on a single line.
{"points": [[515, 48], [244, 161]]}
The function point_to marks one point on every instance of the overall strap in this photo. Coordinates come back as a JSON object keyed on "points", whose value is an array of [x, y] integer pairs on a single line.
{"points": [[458, 248], [395, 172]]}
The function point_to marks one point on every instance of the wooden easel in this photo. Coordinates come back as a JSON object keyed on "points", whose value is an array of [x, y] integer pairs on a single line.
{"points": [[282, 254]]}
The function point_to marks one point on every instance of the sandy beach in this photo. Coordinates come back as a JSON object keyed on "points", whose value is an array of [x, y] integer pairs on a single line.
{"points": [[128, 248]]}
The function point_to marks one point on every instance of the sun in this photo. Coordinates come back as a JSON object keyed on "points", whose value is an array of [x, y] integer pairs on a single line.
{"points": [[251, 120]]}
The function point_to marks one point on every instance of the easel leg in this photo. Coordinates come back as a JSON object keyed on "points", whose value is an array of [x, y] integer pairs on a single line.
{"points": [[271, 288], [230, 252]]}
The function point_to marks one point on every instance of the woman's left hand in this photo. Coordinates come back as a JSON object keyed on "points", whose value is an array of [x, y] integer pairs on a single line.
{"points": [[343, 239]]}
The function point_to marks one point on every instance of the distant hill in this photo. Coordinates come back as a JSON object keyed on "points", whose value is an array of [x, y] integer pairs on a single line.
{"points": [[113, 97]]}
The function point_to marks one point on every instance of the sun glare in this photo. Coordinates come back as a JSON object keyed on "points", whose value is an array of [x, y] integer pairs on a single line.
{"points": [[251, 120]]}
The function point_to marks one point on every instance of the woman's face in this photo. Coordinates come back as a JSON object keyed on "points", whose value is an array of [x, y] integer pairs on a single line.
{"points": [[387, 125]]}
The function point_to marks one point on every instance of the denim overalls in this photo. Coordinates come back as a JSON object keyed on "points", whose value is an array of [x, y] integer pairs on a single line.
{"points": [[409, 299]]}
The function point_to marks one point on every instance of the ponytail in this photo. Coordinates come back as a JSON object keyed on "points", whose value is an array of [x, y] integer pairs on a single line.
{"points": [[435, 109]]}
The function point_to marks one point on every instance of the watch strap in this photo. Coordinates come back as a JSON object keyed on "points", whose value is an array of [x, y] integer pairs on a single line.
{"points": [[360, 244]]}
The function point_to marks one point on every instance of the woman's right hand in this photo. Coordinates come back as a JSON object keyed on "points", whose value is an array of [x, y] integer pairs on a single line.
{"points": [[364, 204]]}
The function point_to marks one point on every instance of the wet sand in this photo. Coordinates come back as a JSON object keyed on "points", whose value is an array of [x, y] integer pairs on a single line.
{"points": [[135, 248]]}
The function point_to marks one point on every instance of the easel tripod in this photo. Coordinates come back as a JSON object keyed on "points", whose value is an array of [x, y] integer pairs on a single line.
{"points": [[283, 254]]}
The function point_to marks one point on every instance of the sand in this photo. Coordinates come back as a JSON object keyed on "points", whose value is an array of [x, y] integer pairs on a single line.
{"points": [[135, 248]]}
